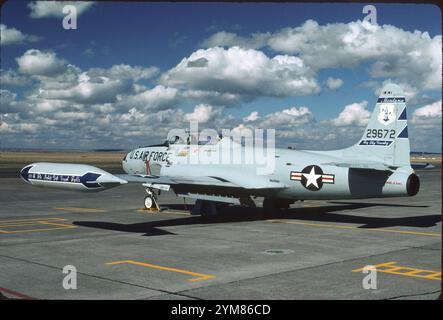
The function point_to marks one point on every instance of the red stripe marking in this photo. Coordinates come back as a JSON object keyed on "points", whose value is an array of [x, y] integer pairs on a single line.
{"points": [[148, 171], [17, 294]]}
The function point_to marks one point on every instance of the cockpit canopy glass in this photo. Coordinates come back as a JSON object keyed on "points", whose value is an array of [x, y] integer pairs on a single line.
{"points": [[191, 139]]}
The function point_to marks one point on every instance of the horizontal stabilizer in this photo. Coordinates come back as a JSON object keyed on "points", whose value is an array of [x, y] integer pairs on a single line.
{"points": [[422, 166], [362, 165]]}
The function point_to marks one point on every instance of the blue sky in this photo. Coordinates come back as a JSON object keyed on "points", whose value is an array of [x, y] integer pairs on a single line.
{"points": [[160, 35]]}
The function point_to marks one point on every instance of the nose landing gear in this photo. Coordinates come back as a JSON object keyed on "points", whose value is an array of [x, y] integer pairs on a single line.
{"points": [[151, 200]]}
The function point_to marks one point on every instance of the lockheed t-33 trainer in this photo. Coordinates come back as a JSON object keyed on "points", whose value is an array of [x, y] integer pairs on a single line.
{"points": [[377, 166]]}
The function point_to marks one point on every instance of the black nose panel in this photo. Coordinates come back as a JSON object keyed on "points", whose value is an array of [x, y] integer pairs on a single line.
{"points": [[24, 173]]}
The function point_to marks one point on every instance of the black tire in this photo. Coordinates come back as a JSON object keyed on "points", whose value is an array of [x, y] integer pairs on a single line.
{"points": [[209, 209], [270, 208]]}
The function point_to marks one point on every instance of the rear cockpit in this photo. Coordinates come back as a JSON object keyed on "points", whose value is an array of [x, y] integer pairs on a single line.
{"points": [[189, 139]]}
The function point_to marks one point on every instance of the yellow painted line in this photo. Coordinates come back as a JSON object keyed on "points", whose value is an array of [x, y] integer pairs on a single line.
{"points": [[148, 210], [34, 222], [26, 223], [7, 225], [199, 276], [168, 212], [33, 219], [58, 224], [392, 268], [177, 213], [337, 226], [37, 230], [73, 209], [310, 205]]}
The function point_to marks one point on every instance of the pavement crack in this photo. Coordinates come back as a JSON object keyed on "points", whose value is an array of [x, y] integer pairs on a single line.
{"points": [[412, 295]]}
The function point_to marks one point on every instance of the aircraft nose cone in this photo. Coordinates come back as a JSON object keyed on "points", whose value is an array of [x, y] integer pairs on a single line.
{"points": [[24, 173]]}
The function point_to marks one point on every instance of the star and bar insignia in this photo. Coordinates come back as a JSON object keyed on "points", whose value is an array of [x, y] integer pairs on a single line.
{"points": [[312, 177]]}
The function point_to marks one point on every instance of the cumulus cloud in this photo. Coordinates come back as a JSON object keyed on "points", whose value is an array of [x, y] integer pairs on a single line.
{"points": [[428, 117], [414, 57], [124, 71], [253, 116], [410, 57], [36, 62], [229, 39], [159, 97], [432, 110], [41, 105], [288, 122], [100, 90], [114, 104], [353, 114], [287, 118], [10, 36], [45, 9], [12, 78], [6, 98], [10, 104], [425, 128], [298, 127], [202, 113], [199, 63], [64, 87], [212, 97], [245, 72], [334, 83], [5, 128]]}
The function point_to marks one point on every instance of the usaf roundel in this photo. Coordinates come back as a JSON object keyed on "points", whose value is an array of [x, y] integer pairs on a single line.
{"points": [[387, 114], [312, 177]]}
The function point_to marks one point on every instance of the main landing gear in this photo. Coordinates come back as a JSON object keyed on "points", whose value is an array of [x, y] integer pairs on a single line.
{"points": [[151, 200], [272, 207]]}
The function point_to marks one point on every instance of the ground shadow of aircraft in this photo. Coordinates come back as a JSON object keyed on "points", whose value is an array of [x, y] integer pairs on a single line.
{"points": [[241, 214]]}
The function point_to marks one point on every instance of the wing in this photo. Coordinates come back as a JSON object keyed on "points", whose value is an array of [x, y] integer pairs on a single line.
{"points": [[209, 175], [218, 183]]}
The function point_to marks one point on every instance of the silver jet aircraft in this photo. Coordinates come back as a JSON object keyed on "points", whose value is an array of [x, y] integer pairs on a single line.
{"points": [[377, 166]]}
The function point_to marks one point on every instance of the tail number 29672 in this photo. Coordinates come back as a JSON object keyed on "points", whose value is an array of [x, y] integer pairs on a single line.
{"points": [[380, 133]]}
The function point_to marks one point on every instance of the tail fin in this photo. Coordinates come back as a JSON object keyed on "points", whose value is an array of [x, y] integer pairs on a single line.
{"points": [[385, 138]]}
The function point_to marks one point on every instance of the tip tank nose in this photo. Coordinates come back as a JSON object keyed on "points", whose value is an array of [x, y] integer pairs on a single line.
{"points": [[25, 172]]}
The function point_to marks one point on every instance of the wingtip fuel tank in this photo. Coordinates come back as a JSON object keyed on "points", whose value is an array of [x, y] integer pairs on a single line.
{"points": [[69, 176]]}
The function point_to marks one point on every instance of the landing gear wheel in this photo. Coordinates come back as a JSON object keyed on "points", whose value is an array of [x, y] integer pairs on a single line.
{"points": [[270, 208], [149, 202], [206, 209], [247, 202]]}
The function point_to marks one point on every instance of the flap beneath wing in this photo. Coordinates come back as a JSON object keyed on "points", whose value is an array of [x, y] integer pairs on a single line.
{"points": [[231, 200]]}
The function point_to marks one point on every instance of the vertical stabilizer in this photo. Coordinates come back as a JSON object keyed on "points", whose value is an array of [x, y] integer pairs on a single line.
{"points": [[385, 138]]}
